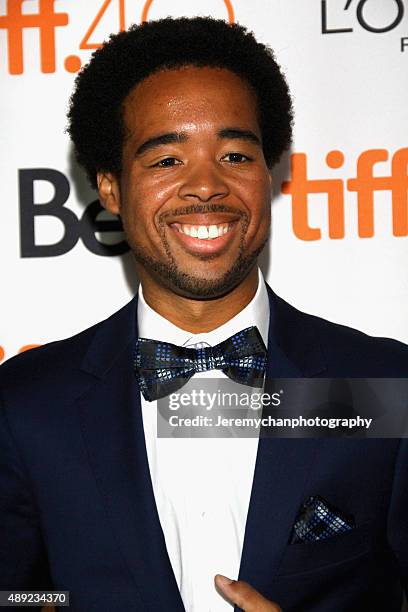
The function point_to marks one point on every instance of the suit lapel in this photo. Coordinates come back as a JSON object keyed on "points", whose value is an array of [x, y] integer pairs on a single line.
{"points": [[282, 465], [281, 471], [293, 342], [113, 432], [112, 426]]}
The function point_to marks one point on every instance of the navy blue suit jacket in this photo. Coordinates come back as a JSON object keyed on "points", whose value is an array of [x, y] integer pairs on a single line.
{"points": [[77, 509]]}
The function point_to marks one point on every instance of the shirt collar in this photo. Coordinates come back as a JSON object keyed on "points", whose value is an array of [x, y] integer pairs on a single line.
{"points": [[152, 325]]}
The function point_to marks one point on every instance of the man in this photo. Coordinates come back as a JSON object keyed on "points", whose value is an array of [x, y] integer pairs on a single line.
{"points": [[178, 123]]}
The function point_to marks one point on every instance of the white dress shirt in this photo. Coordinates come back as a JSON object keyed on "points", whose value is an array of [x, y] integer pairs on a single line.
{"points": [[202, 486]]}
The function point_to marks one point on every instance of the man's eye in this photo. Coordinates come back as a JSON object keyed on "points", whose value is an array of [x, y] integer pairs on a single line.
{"points": [[235, 158], [167, 162]]}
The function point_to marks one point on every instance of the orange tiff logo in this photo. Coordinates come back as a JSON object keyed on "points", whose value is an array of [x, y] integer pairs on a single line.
{"points": [[27, 347], [46, 20], [364, 184]]}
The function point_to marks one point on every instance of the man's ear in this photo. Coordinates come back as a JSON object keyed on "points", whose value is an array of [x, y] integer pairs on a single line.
{"points": [[271, 182], [109, 192]]}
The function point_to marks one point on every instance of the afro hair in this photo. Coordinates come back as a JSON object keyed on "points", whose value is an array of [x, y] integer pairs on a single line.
{"points": [[95, 119]]}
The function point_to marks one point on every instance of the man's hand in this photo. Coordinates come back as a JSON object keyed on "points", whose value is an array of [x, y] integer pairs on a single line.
{"points": [[241, 594]]}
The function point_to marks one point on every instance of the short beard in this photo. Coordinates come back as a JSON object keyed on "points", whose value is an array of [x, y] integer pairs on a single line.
{"points": [[187, 284], [199, 288]]}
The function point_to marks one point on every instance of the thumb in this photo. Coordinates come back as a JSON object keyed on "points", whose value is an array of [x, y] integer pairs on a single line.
{"points": [[244, 596]]}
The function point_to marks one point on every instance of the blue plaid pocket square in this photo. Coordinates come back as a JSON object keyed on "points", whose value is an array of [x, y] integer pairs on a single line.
{"points": [[318, 520]]}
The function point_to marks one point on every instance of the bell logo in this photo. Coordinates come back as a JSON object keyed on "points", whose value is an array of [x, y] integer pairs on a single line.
{"points": [[364, 184]]}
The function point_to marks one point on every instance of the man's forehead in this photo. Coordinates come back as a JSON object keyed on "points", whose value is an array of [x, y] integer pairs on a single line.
{"points": [[188, 95], [174, 83]]}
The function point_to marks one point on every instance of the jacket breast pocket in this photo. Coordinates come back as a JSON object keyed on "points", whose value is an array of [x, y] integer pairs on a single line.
{"points": [[309, 556]]}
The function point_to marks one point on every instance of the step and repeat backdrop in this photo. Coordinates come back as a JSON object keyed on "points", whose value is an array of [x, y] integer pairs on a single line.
{"points": [[339, 240]]}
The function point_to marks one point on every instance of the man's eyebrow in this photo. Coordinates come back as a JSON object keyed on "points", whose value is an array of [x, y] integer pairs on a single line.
{"points": [[161, 139], [177, 137], [239, 134]]}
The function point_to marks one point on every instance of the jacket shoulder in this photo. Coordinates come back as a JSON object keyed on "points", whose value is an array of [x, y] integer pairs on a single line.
{"points": [[55, 363], [348, 352]]}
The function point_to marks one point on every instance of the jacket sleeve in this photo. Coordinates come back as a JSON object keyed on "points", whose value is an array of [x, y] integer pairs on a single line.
{"points": [[398, 513], [23, 558]]}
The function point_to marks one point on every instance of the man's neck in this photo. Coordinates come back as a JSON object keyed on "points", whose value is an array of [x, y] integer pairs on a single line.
{"points": [[198, 316]]}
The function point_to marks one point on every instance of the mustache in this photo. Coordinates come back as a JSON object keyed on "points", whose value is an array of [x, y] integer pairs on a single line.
{"points": [[201, 208]]}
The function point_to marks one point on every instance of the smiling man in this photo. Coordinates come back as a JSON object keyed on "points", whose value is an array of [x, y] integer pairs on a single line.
{"points": [[178, 124], [194, 192]]}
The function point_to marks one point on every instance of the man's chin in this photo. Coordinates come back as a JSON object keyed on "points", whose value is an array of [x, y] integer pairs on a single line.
{"points": [[203, 288], [193, 284]]}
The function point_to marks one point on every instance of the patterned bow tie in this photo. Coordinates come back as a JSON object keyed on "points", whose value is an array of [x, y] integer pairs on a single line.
{"points": [[161, 367]]}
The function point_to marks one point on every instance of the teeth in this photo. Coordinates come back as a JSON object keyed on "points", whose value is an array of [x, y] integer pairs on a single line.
{"points": [[203, 232], [213, 231]]}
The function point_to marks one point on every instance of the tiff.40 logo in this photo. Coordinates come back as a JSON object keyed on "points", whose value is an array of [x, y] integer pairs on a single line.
{"points": [[335, 20], [46, 20]]}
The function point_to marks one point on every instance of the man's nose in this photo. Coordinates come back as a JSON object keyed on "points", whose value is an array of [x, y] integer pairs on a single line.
{"points": [[204, 182]]}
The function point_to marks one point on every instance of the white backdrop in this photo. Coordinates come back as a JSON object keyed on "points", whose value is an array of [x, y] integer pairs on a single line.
{"points": [[346, 63]]}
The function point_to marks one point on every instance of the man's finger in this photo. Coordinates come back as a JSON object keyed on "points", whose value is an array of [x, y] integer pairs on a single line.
{"points": [[244, 596]]}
